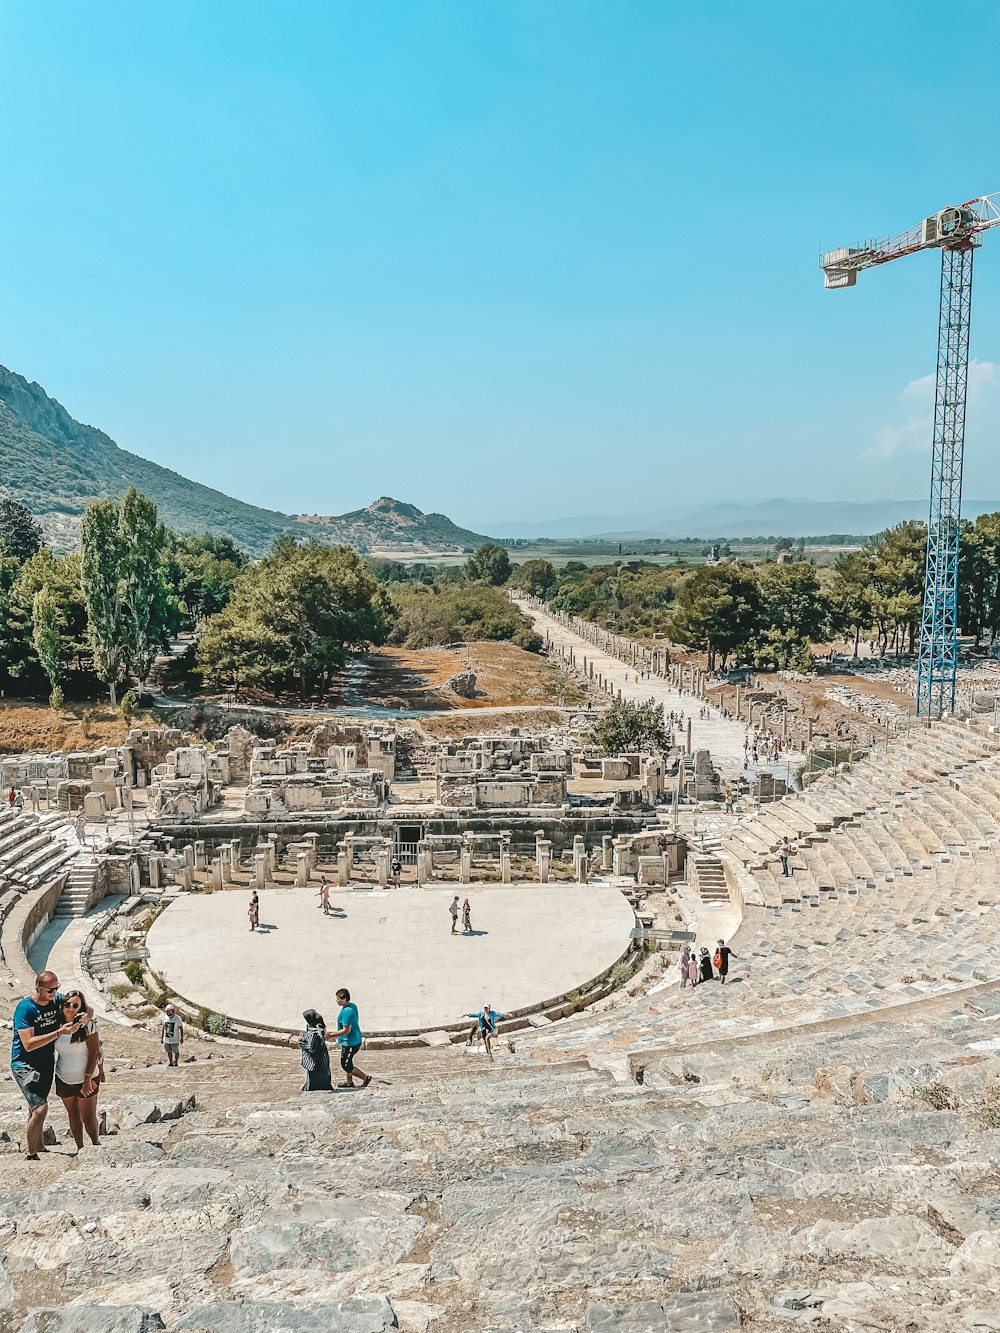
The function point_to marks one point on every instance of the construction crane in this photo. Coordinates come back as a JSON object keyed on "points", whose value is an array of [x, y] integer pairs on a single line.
{"points": [[955, 232]]}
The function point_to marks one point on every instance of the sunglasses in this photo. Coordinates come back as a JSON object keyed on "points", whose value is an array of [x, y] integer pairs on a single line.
{"points": [[49, 990]]}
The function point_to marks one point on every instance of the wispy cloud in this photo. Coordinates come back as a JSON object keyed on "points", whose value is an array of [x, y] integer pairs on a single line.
{"points": [[911, 434]]}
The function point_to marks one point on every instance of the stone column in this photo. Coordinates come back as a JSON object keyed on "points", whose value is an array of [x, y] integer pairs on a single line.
{"points": [[688, 751], [217, 880], [313, 840], [226, 862], [543, 856], [425, 865], [272, 855], [184, 875], [607, 853], [343, 870], [580, 864], [382, 866], [302, 869], [188, 854], [465, 865], [156, 870], [504, 865], [260, 870], [348, 846], [199, 856]]}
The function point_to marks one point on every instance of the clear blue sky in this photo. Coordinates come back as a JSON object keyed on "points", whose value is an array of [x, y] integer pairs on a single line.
{"points": [[503, 260]]}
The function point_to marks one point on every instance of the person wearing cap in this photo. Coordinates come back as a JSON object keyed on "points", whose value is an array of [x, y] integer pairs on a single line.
{"points": [[722, 956], [172, 1034]]}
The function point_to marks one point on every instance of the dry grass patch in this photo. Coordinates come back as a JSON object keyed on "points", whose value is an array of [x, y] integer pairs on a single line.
{"points": [[27, 728]]}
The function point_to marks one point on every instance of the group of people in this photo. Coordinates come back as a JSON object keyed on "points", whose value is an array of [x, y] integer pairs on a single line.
{"points": [[758, 743], [56, 1040], [465, 911], [315, 1055], [698, 965]]}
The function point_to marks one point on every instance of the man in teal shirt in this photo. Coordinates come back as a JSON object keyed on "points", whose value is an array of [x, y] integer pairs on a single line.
{"points": [[349, 1040]]}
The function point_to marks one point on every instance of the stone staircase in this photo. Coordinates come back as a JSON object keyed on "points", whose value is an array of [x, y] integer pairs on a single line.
{"points": [[78, 891], [33, 848], [708, 876]]}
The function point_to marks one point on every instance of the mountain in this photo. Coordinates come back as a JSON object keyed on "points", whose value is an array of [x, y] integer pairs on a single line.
{"points": [[55, 466], [766, 518], [785, 518], [389, 525]]}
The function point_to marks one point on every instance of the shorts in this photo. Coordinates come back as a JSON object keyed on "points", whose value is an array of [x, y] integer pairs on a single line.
{"points": [[34, 1083], [70, 1089], [172, 1047], [347, 1054]]}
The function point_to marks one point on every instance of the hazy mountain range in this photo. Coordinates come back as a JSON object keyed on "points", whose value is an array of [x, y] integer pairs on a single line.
{"points": [[765, 518]]}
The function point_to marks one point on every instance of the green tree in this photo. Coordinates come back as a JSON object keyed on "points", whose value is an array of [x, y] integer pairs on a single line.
{"points": [[48, 639], [979, 577], [20, 532], [122, 575], [200, 573], [626, 726], [900, 555], [489, 564], [293, 618], [851, 591], [101, 558], [536, 577], [717, 611], [791, 601]]}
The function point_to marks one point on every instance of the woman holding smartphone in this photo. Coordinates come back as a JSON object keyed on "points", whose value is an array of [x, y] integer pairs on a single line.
{"points": [[78, 1072]]}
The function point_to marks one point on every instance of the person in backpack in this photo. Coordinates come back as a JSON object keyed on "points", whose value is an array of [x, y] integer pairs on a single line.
{"points": [[315, 1056], [722, 956]]}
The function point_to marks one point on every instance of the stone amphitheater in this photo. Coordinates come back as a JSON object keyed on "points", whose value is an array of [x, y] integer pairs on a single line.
{"points": [[817, 1143]]}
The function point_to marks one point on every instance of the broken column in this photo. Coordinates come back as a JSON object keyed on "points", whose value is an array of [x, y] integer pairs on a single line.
{"points": [[543, 857], [343, 869], [607, 862], [260, 870], [302, 869]]}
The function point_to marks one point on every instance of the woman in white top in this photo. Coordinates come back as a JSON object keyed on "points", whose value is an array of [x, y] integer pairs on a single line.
{"points": [[78, 1057]]}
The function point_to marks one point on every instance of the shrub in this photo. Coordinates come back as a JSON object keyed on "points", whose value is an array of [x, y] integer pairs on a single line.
{"points": [[216, 1024], [56, 699], [129, 705], [86, 722], [620, 973], [133, 970]]}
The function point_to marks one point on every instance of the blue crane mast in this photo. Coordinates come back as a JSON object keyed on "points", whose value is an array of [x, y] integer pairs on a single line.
{"points": [[956, 233]]}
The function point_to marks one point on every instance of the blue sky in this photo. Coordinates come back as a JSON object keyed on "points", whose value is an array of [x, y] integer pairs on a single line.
{"points": [[504, 260]]}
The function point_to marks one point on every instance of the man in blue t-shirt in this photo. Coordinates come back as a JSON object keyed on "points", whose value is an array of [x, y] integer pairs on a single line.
{"points": [[38, 1021], [349, 1040]]}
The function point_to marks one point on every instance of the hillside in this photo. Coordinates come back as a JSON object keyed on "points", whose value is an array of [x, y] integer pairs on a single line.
{"points": [[391, 524], [56, 465]]}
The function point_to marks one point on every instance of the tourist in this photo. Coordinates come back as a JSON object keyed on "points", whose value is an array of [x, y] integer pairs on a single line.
{"points": [[38, 1023], [694, 972], [78, 1069], [315, 1057], [324, 896], [784, 852], [171, 1035], [349, 1039], [722, 956], [467, 917], [453, 909], [12, 797], [705, 966], [19, 801], [685, 959], [486, 1025], [253, 911], [397, 870]]}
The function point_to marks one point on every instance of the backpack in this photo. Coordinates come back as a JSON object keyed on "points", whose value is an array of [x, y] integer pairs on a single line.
{"points": [[717, 960]]}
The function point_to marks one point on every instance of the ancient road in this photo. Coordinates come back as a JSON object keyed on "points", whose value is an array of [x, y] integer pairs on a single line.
{"points": [[724, 738]]}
